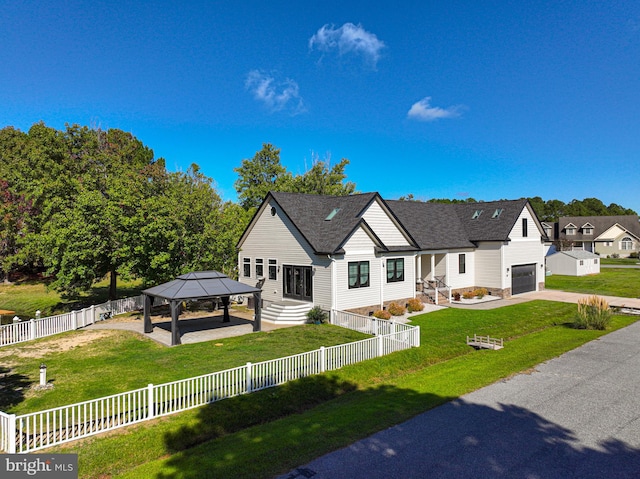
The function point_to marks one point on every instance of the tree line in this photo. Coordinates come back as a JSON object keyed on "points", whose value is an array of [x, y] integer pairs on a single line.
{"points": [[83, 203]]}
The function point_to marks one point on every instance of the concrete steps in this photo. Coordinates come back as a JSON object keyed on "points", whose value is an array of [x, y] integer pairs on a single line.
{"points": [[286, 312]]}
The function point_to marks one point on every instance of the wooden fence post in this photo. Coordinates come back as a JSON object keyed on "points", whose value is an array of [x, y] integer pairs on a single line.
{"points": [[248, 377]]}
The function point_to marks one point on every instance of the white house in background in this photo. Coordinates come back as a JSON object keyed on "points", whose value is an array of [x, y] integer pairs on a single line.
{"points": [[604, 235], [573, 263], [360, 252]]}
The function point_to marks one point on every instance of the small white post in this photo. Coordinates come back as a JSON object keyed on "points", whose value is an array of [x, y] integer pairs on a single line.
{"points": [[248, 376], [38, 314], [74, 320], [92, 315], [151, 413], [380, 346], [32, 329], [322, 359], [374, 327], [43, 374]]}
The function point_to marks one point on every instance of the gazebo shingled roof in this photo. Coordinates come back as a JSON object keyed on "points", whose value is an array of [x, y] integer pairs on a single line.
{"points": [[197, 285]]}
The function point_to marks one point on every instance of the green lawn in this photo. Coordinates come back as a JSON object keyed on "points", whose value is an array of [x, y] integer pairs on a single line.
{"points": [[27, 297], [623, 261], [624, 282], [109, 362], [271, 431]]}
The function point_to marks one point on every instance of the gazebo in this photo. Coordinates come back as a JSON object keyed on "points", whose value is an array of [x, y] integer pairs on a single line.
{"points": [[199, 285]]}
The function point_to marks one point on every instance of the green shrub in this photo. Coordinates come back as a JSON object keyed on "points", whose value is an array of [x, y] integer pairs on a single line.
{"points": [[316, 315], [396, 309], [593, 313], [381, 314], [414, 304]]}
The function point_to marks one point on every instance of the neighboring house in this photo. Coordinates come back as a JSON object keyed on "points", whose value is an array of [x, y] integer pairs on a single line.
{"points": [[360, 252], [573, 263], [604, 235]]}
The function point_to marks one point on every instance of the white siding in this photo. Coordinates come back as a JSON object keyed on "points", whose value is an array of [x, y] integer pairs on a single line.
{"points": [[489, 267], [274, 237], [455, 279], [357, 297], [384, 227], [524, 250], [400, 289]]}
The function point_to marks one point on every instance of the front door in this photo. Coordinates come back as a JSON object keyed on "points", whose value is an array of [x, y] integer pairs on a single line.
{"points": [[297, 282]]}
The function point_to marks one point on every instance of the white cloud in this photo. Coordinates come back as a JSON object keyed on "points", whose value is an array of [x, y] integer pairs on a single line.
{"points": [[276, 95], [349, 38], [423, 111]]}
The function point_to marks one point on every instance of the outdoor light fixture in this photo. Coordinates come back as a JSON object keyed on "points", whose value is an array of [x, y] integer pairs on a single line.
{"points": [[43, 374]]}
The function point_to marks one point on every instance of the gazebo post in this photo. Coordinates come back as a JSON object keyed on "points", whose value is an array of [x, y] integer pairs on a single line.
{"points": [[225, 315], [175, 329], [257, 323], [148, 326]]}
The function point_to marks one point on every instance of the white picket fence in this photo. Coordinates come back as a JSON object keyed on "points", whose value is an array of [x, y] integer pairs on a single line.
{"points": [[34, 431], [39, 328]]}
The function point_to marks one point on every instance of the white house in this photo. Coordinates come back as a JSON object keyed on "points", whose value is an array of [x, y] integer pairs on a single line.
{"points": [[605, 235], [360, 252], [573, 263]]}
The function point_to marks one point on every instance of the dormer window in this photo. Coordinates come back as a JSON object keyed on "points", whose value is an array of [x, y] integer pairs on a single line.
{"points": [[587, 229], [476, 215], [497, 213], [570, 229]]}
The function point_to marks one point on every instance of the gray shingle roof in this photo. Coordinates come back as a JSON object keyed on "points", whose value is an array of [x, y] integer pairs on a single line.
{"points": [[431, 225], [485, 227], [308, 213]]}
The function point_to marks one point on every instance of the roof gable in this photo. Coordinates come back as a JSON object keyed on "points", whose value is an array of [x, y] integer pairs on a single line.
{"points": [[601, 226]]}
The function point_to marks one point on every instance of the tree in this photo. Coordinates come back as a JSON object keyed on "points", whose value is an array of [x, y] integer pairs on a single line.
{"points": [[89, 237], [321, 179], [259, 175]]}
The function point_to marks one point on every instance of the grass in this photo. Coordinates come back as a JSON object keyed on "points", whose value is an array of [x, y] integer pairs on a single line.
{"points": [[618, 261], [103, 362], [272, 431], [624, 282], [27, 297]]}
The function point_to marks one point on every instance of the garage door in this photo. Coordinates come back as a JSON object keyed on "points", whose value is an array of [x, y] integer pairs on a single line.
{"points": [[523, 278]]}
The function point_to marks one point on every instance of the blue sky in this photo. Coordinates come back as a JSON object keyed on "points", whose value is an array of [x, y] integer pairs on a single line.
{"points": [[451, 99]]}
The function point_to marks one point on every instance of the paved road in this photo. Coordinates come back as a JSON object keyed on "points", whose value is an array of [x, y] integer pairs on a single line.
{"points": [[576, 416]]}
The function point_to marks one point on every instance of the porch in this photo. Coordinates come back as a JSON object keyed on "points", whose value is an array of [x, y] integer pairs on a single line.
{"points": [[432, 270]]}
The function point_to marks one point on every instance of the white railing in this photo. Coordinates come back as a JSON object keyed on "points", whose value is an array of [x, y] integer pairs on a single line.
{"points": [[38, 430], [375, 326], [39, 328]]}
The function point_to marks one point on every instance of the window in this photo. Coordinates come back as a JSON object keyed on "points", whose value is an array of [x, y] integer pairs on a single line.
{"points": [[497, 213], [273, 269], [595, 261], [525, 231], [462, 263], [587, 231], [570, 229], [259, 267], [476, 215], [581, 262], [332, 214], [626, 244], [395, 270], [246, 267], [358, 274]]}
